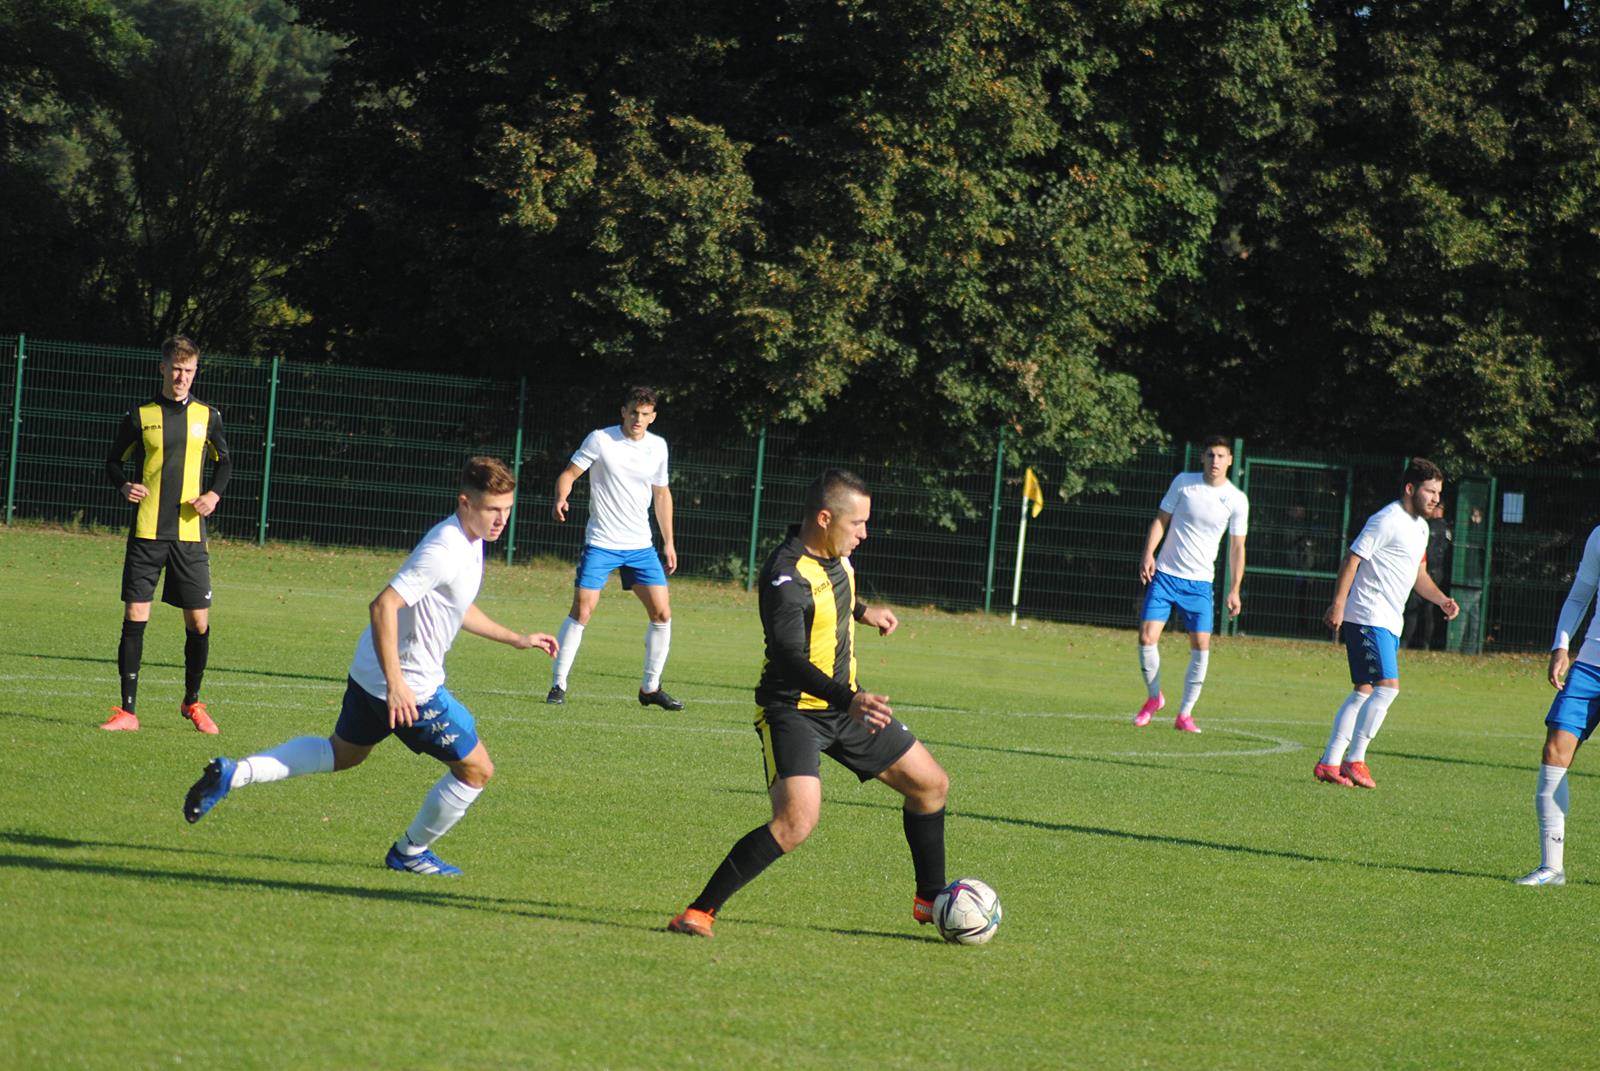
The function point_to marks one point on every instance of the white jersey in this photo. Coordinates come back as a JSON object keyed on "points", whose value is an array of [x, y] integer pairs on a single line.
{"points": [[1578, 599], [1391, 548], [439, 583], [1200, 512], [622, 472]]}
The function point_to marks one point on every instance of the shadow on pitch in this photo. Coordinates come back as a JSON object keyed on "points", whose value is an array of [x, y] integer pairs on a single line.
{"points": [[44, 840], [212, 668], [1036, 753], [1524, 768], [1241, 849]]}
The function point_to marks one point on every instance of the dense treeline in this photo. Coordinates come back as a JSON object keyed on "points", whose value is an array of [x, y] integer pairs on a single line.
{"points": [[911, 222]]}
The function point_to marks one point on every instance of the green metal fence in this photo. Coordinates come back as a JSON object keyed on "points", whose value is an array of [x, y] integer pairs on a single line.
{"points": [[361, 457]]}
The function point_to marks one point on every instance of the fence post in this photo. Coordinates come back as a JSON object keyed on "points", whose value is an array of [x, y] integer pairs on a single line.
{"points": [[755, 510], [16, 429], [994, 520], [266, 459], [516, 466]]}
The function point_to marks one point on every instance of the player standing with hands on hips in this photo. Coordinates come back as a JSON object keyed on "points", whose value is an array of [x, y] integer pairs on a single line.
{"points": [[1572, 718], [171, 436], [810, 706], [1385, 562], [627, 467], [1195, 511]]}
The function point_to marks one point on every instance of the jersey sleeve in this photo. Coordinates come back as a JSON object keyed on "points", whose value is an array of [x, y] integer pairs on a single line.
{"points": [[429, 566], [122, 447], [659, 478], [1170, 500], [1582, 593], [783, 619], [1239, 517], [222, 470], [1370, 537], [588, 451]]}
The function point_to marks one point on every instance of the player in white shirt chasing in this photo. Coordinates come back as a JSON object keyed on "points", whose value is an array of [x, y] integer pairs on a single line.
{"points": [[627, 467], [1385, 562], [396, 683], [1573, 715], [1195, 511]]}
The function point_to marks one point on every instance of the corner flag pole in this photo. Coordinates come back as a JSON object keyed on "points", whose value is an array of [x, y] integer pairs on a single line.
{"points": [[1032, 495]]}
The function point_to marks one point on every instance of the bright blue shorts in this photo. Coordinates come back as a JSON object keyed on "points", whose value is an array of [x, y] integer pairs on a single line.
{"points": [[1374, 653], [1193, 598], [444, 728], [641, 566], [1576, 708]]}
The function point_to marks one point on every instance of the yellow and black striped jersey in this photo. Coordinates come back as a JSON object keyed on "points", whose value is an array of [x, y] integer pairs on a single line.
{"points": [[171, 441], [808, 615]]}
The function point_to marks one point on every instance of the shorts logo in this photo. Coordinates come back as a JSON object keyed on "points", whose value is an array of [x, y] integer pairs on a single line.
{"points": [[448, 739]]}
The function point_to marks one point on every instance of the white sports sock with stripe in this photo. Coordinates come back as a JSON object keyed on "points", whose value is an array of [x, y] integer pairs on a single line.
{"points": [[1550, 804], [1194, 680], [444, 805], [292, 758], [569, 637]]}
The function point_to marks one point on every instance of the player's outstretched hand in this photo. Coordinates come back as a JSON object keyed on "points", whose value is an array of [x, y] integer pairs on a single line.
{"points": [[1450, 608], [881, 618], [542, 640], [872, 711], [559, 510], [1559, 663]]}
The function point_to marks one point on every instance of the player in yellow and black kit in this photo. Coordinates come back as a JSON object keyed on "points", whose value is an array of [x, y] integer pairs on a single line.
{"points": [[168, 440], [811, 705]]}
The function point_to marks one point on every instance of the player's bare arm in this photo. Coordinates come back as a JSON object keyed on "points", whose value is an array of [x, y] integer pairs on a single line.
{"points": [[1235, 604], [385, 614], [479, 623], [1560, 662], [1152, 540], [1334, 617], [564, 482], [662, 497], [1430, 591], [881, 618]]}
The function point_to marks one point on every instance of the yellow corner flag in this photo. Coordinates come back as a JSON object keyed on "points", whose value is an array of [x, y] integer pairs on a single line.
{"points": [[1032, 492]]}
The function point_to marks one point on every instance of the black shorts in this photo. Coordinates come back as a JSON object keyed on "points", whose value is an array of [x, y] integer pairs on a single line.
{"points": [[793, 743], [188, 566]]}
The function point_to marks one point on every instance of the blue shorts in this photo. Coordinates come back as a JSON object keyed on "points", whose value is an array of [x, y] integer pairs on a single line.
{"points": [[1576, 708], [1374, 653], [444, 728], [1192, 597], [642, 566]]}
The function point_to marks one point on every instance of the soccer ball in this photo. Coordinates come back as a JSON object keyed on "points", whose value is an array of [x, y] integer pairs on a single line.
{"points": [[967, 912]]}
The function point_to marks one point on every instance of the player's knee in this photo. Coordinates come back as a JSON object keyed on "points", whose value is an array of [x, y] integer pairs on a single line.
{"points": [[791, 829], [934, 789], [661, 616]]}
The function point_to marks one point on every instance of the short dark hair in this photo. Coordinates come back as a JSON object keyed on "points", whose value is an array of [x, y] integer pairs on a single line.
{"points": [[486, 476], [1419, 470], [638, 396], [827, 492], [179, 347], [1216, 440]]}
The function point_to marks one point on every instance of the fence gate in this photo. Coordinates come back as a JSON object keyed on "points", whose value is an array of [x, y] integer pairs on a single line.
{"points": [[1299, 526], [1471, 544]]}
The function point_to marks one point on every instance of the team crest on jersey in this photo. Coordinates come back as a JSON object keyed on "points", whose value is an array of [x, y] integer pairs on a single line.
{"points": [[197, 431]]}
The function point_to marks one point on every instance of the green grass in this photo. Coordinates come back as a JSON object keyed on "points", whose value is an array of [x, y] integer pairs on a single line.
{"points": [[1170, 901]]}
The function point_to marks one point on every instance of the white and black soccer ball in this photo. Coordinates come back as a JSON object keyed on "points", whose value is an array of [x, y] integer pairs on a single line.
{"points": [[967, 912]]}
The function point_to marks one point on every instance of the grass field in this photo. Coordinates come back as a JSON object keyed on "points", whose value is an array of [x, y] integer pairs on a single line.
{"points": [[1170, 901]]}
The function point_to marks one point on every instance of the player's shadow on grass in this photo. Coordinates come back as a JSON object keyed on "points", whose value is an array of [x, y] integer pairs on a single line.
{"points": [[1523, 768], [45, 840], [1242, 849], [1036, 753], [214, 667]]}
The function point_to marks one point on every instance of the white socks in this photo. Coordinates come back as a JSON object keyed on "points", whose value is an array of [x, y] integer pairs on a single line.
{"points": [[1150, 666], [444, 805], [1344, 726], [569, 637], [292, 758], [1550, 804], [1373, 712], [1194, 680], [657, 641]]}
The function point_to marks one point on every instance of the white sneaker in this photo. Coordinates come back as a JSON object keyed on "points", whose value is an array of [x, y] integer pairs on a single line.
{"points": [[1543, 875]]}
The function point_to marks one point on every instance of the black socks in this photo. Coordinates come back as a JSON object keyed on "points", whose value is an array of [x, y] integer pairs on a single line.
{"points": [[755, 851], [130, 652]]}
